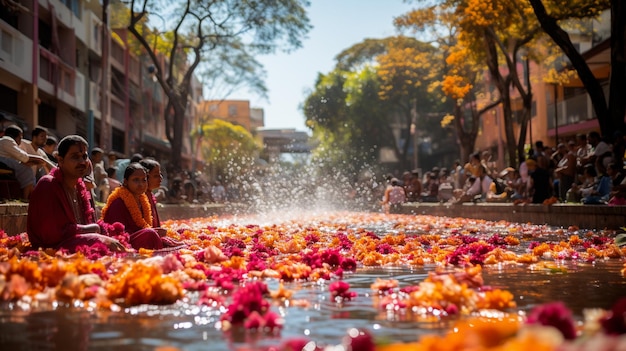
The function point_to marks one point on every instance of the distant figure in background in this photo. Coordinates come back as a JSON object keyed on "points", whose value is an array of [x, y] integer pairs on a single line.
{"points": [[34, 147], [100, 176], [123, 163], [51, 148], [394, 197], [113, 182], [413, 190], [540, 185], [19, 160], [565, 170], [218, 192]]}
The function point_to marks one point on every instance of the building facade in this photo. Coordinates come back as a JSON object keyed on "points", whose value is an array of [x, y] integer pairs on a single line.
{"points": [[558, 112], [61, 67]]}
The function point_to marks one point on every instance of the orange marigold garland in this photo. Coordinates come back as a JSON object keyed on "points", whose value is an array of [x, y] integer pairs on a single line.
{"points": [[142, 217]]}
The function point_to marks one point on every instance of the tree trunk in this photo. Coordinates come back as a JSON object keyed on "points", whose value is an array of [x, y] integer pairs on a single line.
{"points": [[593, 87], [466, 140], [502, 84], [175, 134], [617, 102]]}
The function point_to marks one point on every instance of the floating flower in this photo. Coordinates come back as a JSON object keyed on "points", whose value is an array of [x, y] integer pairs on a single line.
{"points": [[339, 291]]}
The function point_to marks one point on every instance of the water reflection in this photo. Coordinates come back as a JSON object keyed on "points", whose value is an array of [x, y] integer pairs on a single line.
{"points": [[192, 328]]}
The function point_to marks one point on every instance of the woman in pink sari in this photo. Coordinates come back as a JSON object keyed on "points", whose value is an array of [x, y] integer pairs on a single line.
{"points": [[130, 206]]}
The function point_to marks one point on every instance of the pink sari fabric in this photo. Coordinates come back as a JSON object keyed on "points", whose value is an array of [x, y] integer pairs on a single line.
{"points": [[51, 222]]}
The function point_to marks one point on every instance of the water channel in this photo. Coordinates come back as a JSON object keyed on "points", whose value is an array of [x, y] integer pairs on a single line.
{"points": [[187, 326]]}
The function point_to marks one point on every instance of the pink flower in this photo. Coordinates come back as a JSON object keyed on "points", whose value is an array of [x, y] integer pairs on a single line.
{"points": [[554, 314], [359, 340], [339, 289]]}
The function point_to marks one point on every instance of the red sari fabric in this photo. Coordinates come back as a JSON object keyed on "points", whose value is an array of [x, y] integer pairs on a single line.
{"points": [[156, 221], [140, 238]]}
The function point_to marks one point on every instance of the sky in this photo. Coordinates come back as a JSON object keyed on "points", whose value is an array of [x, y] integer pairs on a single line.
{"points": [[337, 25]]}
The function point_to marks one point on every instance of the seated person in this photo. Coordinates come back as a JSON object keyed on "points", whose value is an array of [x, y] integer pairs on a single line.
{"points": [[113, 182], [589, 182], [50, 148], [540, 186], [445, 191], [431, 188], [465, 194], [413, 188], [599, 193], [154, 184], [18, 160], [617, 197], [394, 196], [34, 147], [498, 191], [60, 215], [130, 206]]}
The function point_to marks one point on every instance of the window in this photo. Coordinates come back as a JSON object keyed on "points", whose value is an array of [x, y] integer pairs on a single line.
{"points": [[232, 110]]}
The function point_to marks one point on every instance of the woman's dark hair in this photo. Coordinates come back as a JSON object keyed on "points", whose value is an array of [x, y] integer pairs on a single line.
{"points": [[69, 141], [149, 163], [134, 166]]}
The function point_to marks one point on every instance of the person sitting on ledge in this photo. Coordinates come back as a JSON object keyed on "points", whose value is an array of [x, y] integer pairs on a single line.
{"points": [[19, 160], [130, 206], [394, 197], [60, 215]]}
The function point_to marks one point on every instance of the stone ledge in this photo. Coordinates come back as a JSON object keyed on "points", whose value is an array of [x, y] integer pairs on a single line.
{"points": [[558, 215], [13, 215]]}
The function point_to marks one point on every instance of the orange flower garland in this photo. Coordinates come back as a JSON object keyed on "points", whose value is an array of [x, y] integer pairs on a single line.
{"points": [[143, 217]]}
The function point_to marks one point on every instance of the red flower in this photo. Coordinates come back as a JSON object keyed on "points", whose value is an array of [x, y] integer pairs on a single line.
{"points": [[554, 314], [339, 289], [615, 322]]}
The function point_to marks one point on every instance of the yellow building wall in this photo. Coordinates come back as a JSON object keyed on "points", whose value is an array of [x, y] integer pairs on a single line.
{"points": [[233, 111]]}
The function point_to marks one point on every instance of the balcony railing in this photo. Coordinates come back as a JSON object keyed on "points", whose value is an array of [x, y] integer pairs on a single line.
{"points": [[573, 110], [94, 98], [15, 52], [118, 112], [56, 72]]}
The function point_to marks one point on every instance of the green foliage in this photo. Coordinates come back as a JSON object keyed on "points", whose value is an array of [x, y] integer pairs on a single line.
{"points": [[366, 104], [620, 239], [220, 38], [230, 149]]}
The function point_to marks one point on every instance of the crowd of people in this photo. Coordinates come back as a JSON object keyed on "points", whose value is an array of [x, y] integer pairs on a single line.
{"points": [[62, 181], [588, 169]]}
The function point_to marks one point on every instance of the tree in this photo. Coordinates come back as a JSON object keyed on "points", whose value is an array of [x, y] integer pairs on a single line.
{"points": [[375, 90], [203, 29], [229, 149], [406, 71], [461, 78], [348, 118], [462, 85], [610, 117]]}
